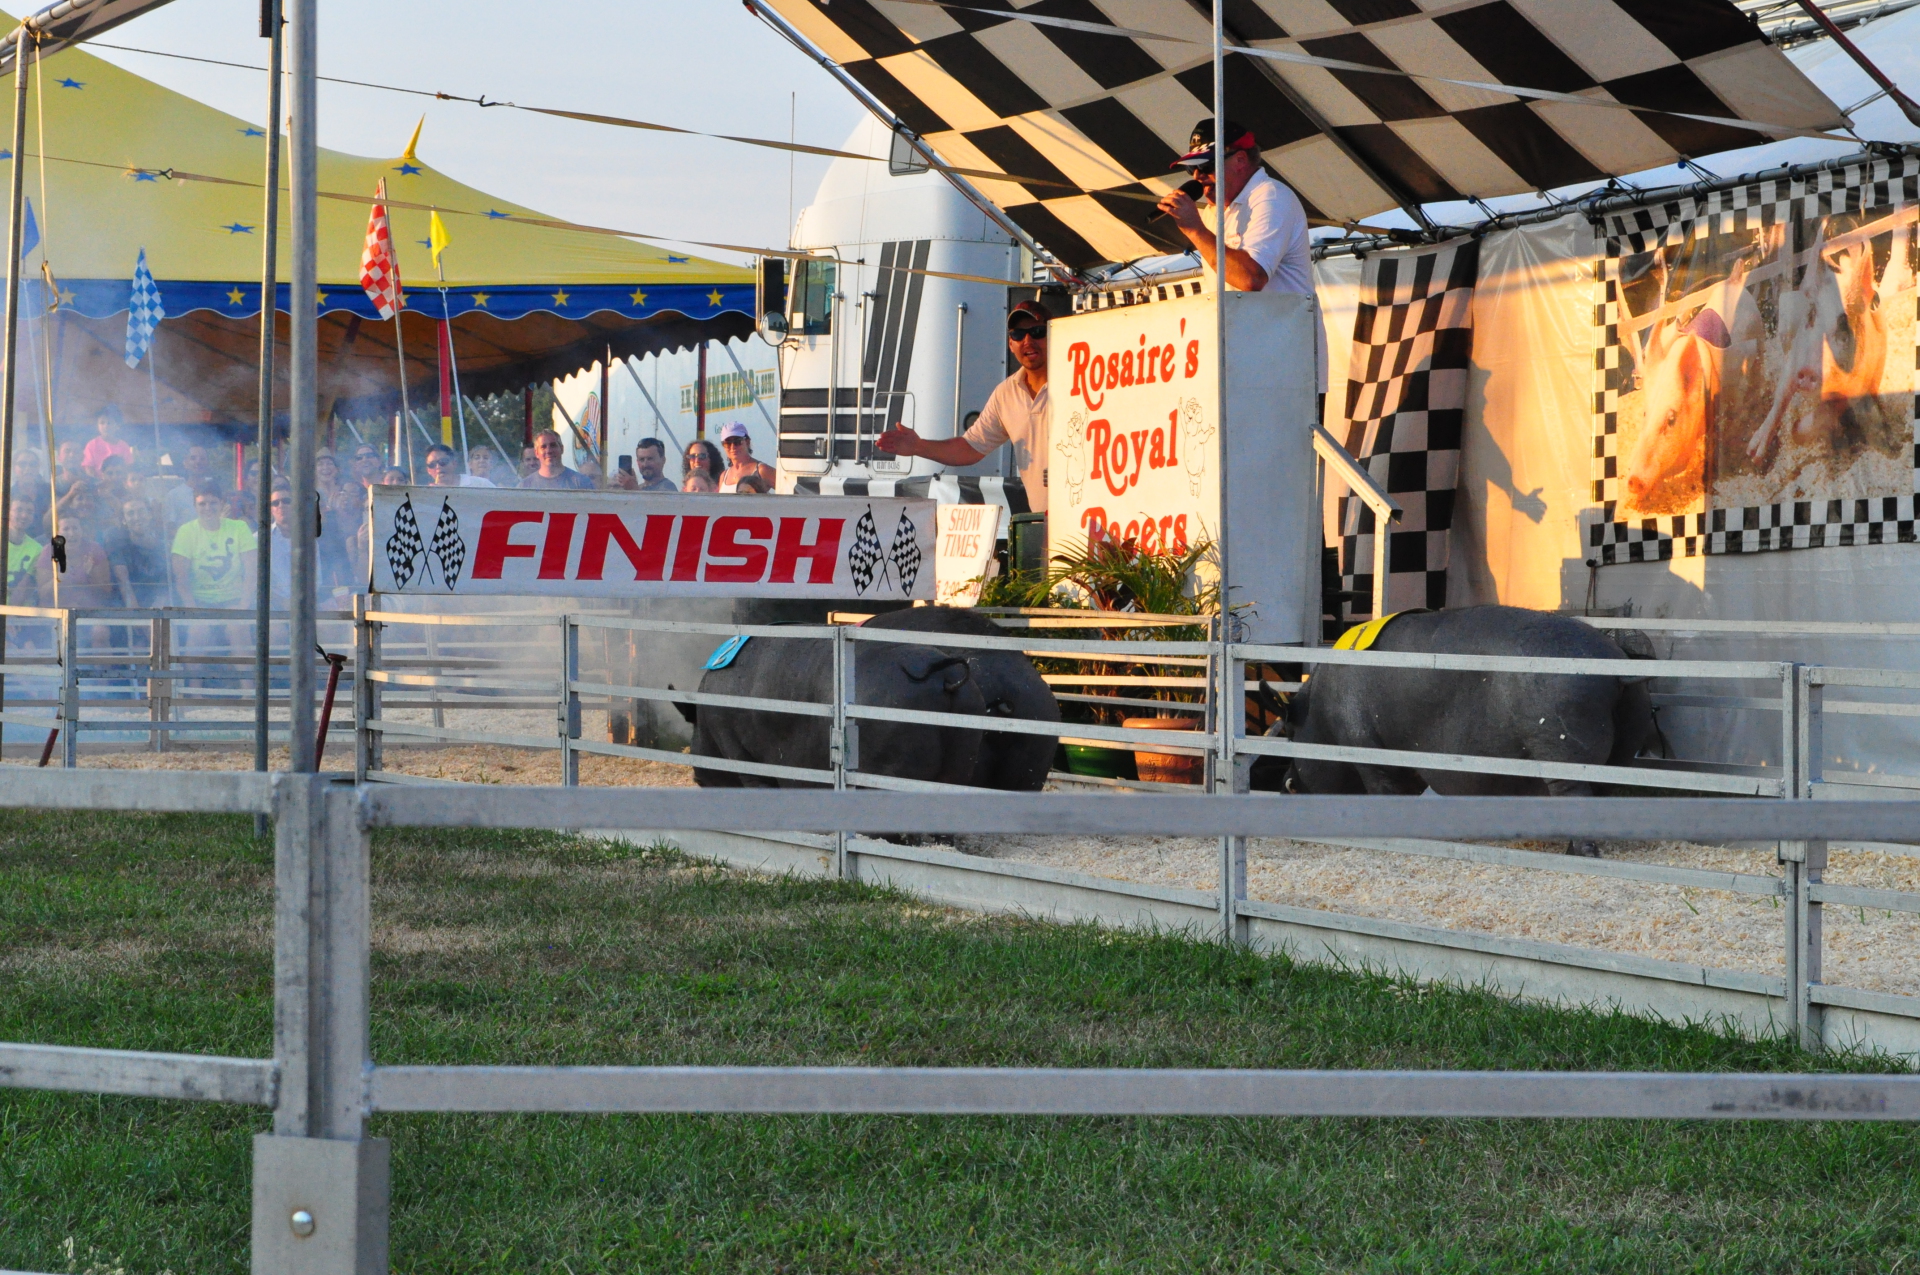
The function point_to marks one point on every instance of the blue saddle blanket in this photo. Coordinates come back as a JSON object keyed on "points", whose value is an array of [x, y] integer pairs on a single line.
{"points": [[724, 654]]}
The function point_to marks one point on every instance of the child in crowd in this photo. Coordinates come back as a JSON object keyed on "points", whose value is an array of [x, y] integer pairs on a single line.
{"points": [[108, 427]]}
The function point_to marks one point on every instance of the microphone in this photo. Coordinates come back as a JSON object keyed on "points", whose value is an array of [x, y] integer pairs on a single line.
{"points": [[1192, 190]]}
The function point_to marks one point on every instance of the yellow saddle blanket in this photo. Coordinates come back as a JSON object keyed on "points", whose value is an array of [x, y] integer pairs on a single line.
{"points": [[1361, 637]]}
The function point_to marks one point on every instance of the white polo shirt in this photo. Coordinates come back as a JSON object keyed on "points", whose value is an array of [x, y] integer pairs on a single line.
{"points": [[1267, 222], [1015, 415]]}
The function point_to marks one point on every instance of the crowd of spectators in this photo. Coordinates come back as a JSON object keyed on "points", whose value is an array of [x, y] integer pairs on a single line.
{"points": [[143, 528]]}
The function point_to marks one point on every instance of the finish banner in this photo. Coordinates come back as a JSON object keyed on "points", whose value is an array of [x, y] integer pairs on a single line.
{"points": [[475, 540]]}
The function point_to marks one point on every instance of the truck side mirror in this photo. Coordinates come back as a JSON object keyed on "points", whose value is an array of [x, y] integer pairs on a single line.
{"points": [[770, 290]]}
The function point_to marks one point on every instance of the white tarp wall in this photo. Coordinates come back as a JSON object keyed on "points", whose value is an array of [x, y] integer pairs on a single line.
{"points": [[1525, 467], [1526, 477]]}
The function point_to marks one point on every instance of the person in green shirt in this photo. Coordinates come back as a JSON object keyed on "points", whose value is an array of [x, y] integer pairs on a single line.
{"points": [[22, 551], [213, 556], [213, 562]]}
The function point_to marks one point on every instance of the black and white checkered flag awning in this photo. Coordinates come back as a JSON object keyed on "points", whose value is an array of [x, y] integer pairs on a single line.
{"points": [[1473, 98]]}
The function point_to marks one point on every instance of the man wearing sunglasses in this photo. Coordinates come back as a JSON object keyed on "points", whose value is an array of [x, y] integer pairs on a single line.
{"points": [[365, 470], [1017, 412], [280, 537]]}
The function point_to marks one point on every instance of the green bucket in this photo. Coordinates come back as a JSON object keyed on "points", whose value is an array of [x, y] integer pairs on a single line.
{"points": [[1100, 763]]}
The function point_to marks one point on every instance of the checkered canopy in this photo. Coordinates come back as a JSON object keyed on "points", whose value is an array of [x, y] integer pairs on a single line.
{"points": [[1092, 118]]}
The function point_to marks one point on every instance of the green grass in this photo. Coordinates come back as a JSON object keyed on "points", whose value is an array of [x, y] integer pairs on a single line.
{"points": [[153, 933]]}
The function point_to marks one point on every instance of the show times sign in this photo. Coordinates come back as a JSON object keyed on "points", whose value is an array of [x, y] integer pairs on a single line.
{"points": [[482, 540]]}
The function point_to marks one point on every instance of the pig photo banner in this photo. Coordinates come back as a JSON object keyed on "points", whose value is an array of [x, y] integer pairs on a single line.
{"points": [[1405, 409], [1755, 381], [501, 540]]}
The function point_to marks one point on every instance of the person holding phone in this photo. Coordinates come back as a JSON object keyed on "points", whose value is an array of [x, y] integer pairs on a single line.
{"points": [[650, 465]]}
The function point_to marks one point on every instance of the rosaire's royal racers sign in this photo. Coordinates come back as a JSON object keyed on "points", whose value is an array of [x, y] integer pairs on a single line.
{"points": [[1135, 409], [469, 540]]}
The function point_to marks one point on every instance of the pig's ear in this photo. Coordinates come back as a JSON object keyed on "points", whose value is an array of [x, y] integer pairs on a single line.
{"points": [[1658, 340], [1692, 359]]}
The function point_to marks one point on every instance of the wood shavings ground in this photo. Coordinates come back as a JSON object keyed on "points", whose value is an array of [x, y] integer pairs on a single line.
{"points": [[1864, 948]]}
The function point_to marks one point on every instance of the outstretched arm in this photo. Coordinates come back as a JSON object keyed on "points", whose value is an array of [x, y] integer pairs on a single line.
{"points": [[902, 441]]}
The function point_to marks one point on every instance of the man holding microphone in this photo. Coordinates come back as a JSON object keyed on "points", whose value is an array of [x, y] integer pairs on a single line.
{"points": [[1266, 251], [1017, 413], [1266, 224]]}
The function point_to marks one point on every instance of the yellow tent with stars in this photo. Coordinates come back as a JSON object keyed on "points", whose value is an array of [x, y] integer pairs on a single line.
{"points": [[130, 166]]}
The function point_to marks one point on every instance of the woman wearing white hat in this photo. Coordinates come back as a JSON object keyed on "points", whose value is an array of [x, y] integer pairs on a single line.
{"points": [[740, 462]]}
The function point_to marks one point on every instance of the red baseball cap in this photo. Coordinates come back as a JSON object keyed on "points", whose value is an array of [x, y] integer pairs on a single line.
{"points": [[1028, 314], [1200, 145]]}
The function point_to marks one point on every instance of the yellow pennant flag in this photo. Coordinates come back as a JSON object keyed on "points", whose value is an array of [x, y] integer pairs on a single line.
{"points": [[437, 236]]}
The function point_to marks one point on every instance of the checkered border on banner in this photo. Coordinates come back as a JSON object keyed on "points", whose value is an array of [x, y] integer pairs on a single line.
{"points": [[1804, 524], [1406, 407]]}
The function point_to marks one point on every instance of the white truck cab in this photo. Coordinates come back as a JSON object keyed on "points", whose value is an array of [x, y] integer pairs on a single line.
{"points": [[873, 330]]}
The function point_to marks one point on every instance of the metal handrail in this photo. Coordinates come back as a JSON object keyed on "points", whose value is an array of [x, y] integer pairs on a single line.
{"points": [[1363, 484]]}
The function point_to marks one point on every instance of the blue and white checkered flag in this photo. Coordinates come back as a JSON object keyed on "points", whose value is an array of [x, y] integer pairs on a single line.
{"points": [[144, 312]]}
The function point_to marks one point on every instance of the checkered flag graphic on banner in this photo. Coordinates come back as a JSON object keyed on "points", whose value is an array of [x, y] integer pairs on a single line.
{"points": [[1406, 404], [404, 545], [448, 547], [144, 311], [379, 268], [905, 553], [1869, 189], [863, 555]]}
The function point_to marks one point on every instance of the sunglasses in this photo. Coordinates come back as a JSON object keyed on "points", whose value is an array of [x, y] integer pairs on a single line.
{"points": [[1038, 332], [279, 500], [442, 463]]}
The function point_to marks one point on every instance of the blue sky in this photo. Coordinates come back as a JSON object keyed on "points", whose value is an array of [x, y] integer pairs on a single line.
{"points": [[707, 65]]}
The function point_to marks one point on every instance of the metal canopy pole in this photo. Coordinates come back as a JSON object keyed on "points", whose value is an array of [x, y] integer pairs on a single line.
{"points": [[9, 372], [320, 1185], [269, 320], [1230, 698], [303, 376]]}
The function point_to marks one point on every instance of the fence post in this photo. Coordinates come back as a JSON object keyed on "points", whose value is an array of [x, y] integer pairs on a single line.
{"points": [[1229, 715], [433, 662], [364, 703], [159, 685], [320, 1185], [1802, 862], [569, 702], [69, 715], [843, 744]]}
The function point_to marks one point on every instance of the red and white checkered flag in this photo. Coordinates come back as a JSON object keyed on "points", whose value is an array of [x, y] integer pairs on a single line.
{"points": [[379, 268]]}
